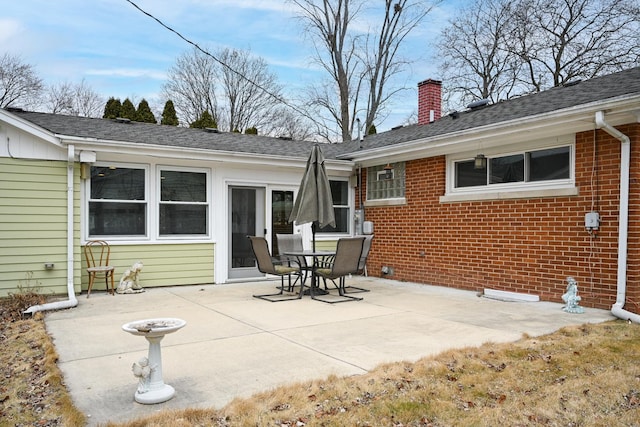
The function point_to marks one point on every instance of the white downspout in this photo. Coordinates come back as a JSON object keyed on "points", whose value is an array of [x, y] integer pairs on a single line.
{"points": [[623, 221], [71, 301]]}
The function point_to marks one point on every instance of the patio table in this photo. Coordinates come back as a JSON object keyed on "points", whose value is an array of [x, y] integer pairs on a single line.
{"points": [[317, 256]]}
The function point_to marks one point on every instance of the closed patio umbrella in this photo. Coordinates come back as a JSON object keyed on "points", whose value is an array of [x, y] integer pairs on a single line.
{"points": [[314, 202]]}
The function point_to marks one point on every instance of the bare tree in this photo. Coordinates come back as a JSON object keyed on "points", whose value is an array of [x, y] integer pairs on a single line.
{"points": [[236, 88], [283, 122], [382, 60], [329, 22], [87, 102], [249, 88], [359, 64], [19, 84], [77, 99], [563, 40], [475, 62], [497, 49], [191, 84], [58, 98]]}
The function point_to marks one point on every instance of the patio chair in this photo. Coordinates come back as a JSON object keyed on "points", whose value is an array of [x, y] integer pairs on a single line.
{"points": [[362, 265], [267, 265], [345, 262], [97, 253], [293, 243]]}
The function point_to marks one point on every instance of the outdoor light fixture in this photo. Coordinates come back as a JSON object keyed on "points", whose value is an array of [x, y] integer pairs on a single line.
{"points": [[480, 162], [388, 172]]}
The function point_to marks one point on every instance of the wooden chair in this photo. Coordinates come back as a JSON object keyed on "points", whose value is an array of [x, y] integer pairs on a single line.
{"points": [[97, 253], [346, 261], [266, 265]]}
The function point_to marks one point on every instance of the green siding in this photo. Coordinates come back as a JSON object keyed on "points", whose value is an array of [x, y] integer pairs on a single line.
{"points": [[326, 245], [33, 225], [164, 264]]}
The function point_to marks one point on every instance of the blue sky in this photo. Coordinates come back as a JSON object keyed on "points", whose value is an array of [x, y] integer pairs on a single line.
{"points": [[121, 52]]}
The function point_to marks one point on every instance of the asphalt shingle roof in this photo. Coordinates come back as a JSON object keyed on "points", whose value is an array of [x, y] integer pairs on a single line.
{"points": [[172, 136], [600, 88], [558, 98]]}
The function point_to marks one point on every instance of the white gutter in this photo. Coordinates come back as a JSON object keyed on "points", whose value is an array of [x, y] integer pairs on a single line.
{"points": [[200, 154], [71, 301], [623, 220]]}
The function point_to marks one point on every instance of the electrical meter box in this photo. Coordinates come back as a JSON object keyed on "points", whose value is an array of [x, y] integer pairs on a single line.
{"points": [[592, 220], [358, 219], [367, 227]]}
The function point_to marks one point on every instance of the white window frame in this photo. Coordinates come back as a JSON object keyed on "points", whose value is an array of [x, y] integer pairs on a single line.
{"points": [[521, 189], [152, 200], [349, 208], [158, 201], [147, 201]]}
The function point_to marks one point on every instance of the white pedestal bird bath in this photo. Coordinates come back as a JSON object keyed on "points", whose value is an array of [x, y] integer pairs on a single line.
{"points": [[148, 370]]}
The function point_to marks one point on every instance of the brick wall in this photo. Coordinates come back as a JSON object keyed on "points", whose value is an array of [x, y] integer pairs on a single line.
{"points": [[520, 245]]}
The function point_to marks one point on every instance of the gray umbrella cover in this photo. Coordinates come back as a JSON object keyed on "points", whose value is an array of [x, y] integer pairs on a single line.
{"points": [[314, 201]]}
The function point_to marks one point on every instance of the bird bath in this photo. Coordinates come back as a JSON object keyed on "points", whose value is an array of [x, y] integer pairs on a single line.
{"points": [[151, 387]]}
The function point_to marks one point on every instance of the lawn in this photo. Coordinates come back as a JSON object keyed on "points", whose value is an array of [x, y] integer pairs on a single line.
{"points": [[585, 375]]}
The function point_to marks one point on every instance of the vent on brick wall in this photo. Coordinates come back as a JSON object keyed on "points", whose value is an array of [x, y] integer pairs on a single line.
{"points": [[510, 296]]}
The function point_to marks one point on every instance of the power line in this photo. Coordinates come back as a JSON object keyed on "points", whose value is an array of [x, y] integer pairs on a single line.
{"points": [[222, 63]]}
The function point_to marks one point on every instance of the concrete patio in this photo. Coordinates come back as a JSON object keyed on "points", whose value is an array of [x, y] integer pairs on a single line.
{"points": [[235, 345]]}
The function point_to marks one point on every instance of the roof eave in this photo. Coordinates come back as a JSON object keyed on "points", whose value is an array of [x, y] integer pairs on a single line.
{"points": [[112, 147], [559, 122], [29, 127]]}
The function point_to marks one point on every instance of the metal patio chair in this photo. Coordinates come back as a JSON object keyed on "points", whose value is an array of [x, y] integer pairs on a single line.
{"points": [[267, 265], [362, 265], [345, 262], [293, 243]]}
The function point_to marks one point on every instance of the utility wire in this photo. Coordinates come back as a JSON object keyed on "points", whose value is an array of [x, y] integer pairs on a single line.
{"points": [[252, 82]]}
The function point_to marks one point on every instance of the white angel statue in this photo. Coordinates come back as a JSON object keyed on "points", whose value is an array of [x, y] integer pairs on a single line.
{"points": [[129, 281], [142, 371]]}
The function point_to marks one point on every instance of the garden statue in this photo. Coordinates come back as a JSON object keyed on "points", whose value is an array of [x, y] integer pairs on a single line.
{"points": [[142, 371], [571, 297], [129, 281]]}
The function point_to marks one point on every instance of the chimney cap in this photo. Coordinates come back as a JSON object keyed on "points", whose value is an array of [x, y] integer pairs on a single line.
{"points": [[430, 81]]}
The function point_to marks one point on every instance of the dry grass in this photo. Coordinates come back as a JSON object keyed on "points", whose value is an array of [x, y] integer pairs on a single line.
{"points": [[32, 390], [579, 376]]}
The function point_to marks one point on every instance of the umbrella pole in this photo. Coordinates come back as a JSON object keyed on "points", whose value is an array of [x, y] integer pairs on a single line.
{"points": [[313, 235]]}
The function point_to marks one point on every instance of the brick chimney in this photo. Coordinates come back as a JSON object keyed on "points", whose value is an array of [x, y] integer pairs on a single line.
{"points": [[429, 101]]}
